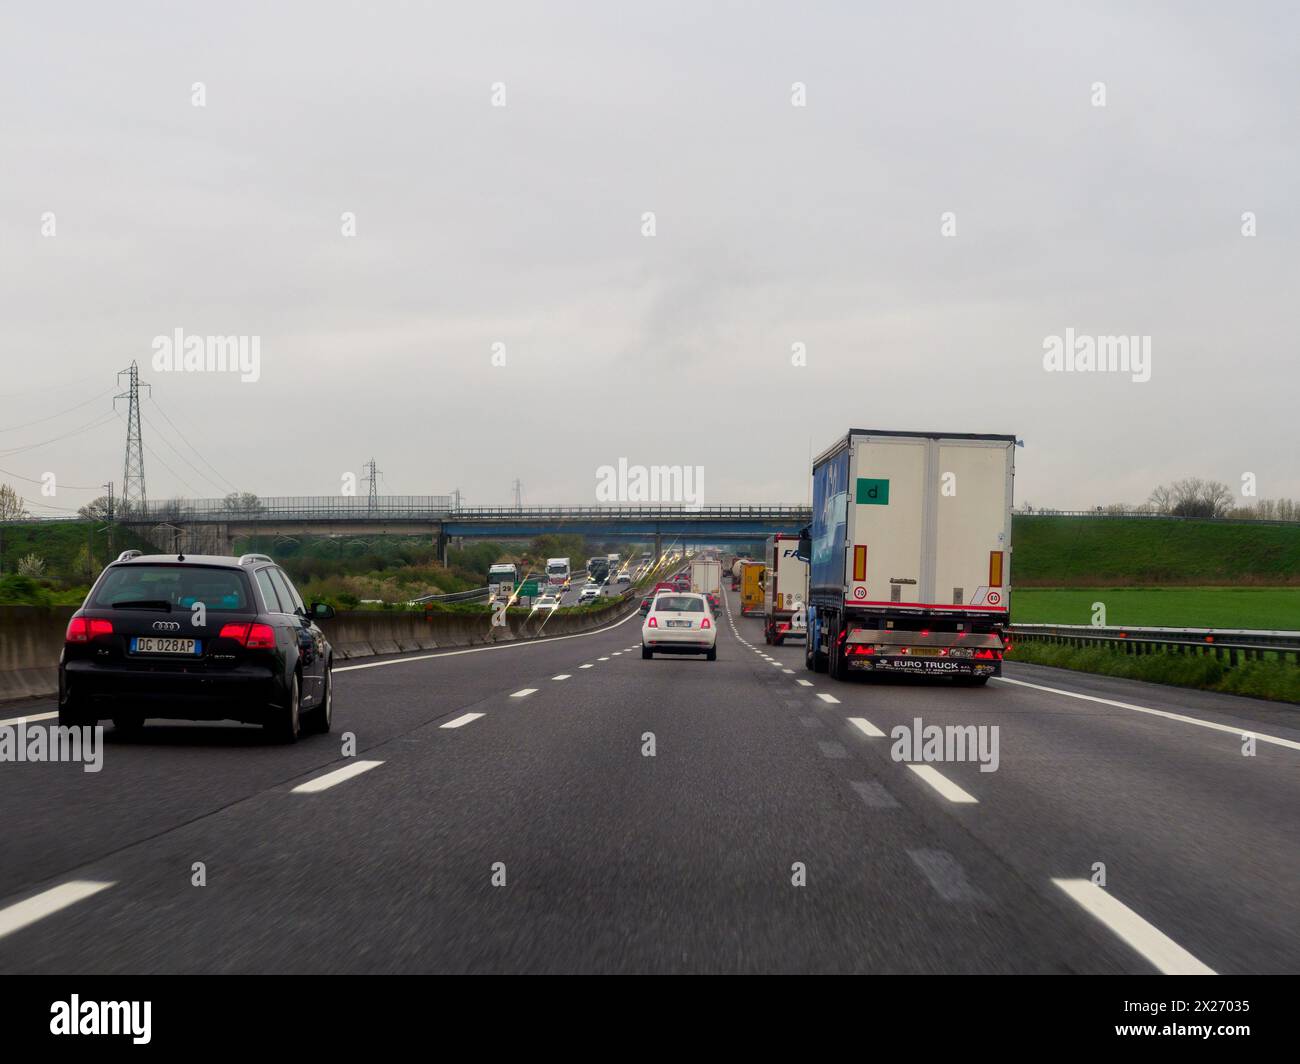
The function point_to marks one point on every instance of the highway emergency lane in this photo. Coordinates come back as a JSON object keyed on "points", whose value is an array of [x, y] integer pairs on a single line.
{"points": [[1193, 835], [755, 839]]}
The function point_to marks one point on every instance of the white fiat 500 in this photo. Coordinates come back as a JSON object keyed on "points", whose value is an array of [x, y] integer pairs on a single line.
{"points": [[679, 623]]}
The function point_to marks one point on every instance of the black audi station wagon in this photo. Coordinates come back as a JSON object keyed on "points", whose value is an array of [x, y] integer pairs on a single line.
{"points": [[197, 637]]}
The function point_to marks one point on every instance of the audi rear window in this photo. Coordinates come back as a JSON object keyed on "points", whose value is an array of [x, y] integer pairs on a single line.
{"points": [[175, 587]]}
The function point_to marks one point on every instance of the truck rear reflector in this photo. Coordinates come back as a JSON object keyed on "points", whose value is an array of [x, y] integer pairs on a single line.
{"points": [[859, 563], [995, 568]]}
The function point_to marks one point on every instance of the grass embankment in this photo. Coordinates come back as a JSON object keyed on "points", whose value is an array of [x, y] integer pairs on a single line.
{"points": [[1269, 679], [1273, 608], [73, 553], [1143, 552]]}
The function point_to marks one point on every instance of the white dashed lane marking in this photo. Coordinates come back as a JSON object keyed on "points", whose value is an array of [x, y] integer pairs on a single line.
{"points": [[525, 692], [19, 915], [829, 698], [943, 784], [804, 683], [1162, 951], [866, 727], [333, 779], [461, 721], [562, 676]]}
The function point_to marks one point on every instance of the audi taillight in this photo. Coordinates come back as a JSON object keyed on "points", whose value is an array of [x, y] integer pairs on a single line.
{"points": [[84, 629], [251, 636]]}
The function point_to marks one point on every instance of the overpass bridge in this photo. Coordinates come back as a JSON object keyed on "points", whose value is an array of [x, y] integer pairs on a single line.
{"points": [[213, 525]]}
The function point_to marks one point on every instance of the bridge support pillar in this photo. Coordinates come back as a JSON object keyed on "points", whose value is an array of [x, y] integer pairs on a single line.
{"points": [[442, 543]]}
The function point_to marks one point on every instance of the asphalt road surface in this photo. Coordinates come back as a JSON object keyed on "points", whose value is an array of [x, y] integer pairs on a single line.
{"points": [[514, 822]]}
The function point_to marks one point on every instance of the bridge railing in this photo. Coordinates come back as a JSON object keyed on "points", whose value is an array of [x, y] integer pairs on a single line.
{"points": [[427, 508]]}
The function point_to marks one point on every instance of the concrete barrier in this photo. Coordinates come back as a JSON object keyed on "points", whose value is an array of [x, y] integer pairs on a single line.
{"points": [[31, 637]]}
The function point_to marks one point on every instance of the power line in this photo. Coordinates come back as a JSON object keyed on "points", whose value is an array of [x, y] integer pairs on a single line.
{"points": [[177, 452], [55, 439], [190, 445], [51, 417]]}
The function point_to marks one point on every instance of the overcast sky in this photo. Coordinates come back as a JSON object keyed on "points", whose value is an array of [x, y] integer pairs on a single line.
{"points": [[775, 225]]}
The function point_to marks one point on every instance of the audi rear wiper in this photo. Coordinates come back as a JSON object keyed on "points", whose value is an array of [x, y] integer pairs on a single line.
{"points": [[144, 604]]}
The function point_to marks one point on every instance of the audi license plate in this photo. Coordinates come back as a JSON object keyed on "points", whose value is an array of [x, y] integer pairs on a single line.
{"points": [[147, 644]]}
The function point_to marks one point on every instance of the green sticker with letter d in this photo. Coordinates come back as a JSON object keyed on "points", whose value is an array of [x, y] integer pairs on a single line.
{"points": [[873, 492]]}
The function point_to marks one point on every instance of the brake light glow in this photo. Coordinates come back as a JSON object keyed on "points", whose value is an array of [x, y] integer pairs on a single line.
{"points": [[84, 629], [988, 655], [706, 623], [652, 623], [252, 636]]}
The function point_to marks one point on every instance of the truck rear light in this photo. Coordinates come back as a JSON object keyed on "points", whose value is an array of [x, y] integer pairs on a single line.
{"points": [[988, 655], [84, 629], [859, 563], [995, 568], [862, 648], [251, 636]]}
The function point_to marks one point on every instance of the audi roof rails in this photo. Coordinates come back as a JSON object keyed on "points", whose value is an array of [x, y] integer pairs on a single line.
{"points": [[245, 559], [127, 555]]}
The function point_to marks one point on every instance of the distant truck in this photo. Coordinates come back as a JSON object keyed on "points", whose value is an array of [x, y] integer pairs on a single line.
{"points": [[706, 576], [597, 568], [786, 590], [503, 578], [911, 554], [612, 563], [557, 572], [751, 586]]}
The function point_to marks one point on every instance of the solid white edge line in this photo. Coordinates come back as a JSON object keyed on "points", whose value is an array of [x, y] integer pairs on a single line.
{"points": [[463, 719], [28, 719], [517, 644], [331, 779], [19, 915], [942, 784], [1275, 740], [1163, 952], [866, 727]]}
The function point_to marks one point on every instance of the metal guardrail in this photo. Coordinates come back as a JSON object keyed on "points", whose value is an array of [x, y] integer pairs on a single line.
{"points": [[1231, 646], [455, 596]]}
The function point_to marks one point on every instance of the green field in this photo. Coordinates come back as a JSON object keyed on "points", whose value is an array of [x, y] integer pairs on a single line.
{"points": [[1276, 608], [1148, 552]]}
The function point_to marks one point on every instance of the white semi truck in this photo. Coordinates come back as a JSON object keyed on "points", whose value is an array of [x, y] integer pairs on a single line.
{"points": [[910, 551], [786, 590], [557, 572], [706, 575]]}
